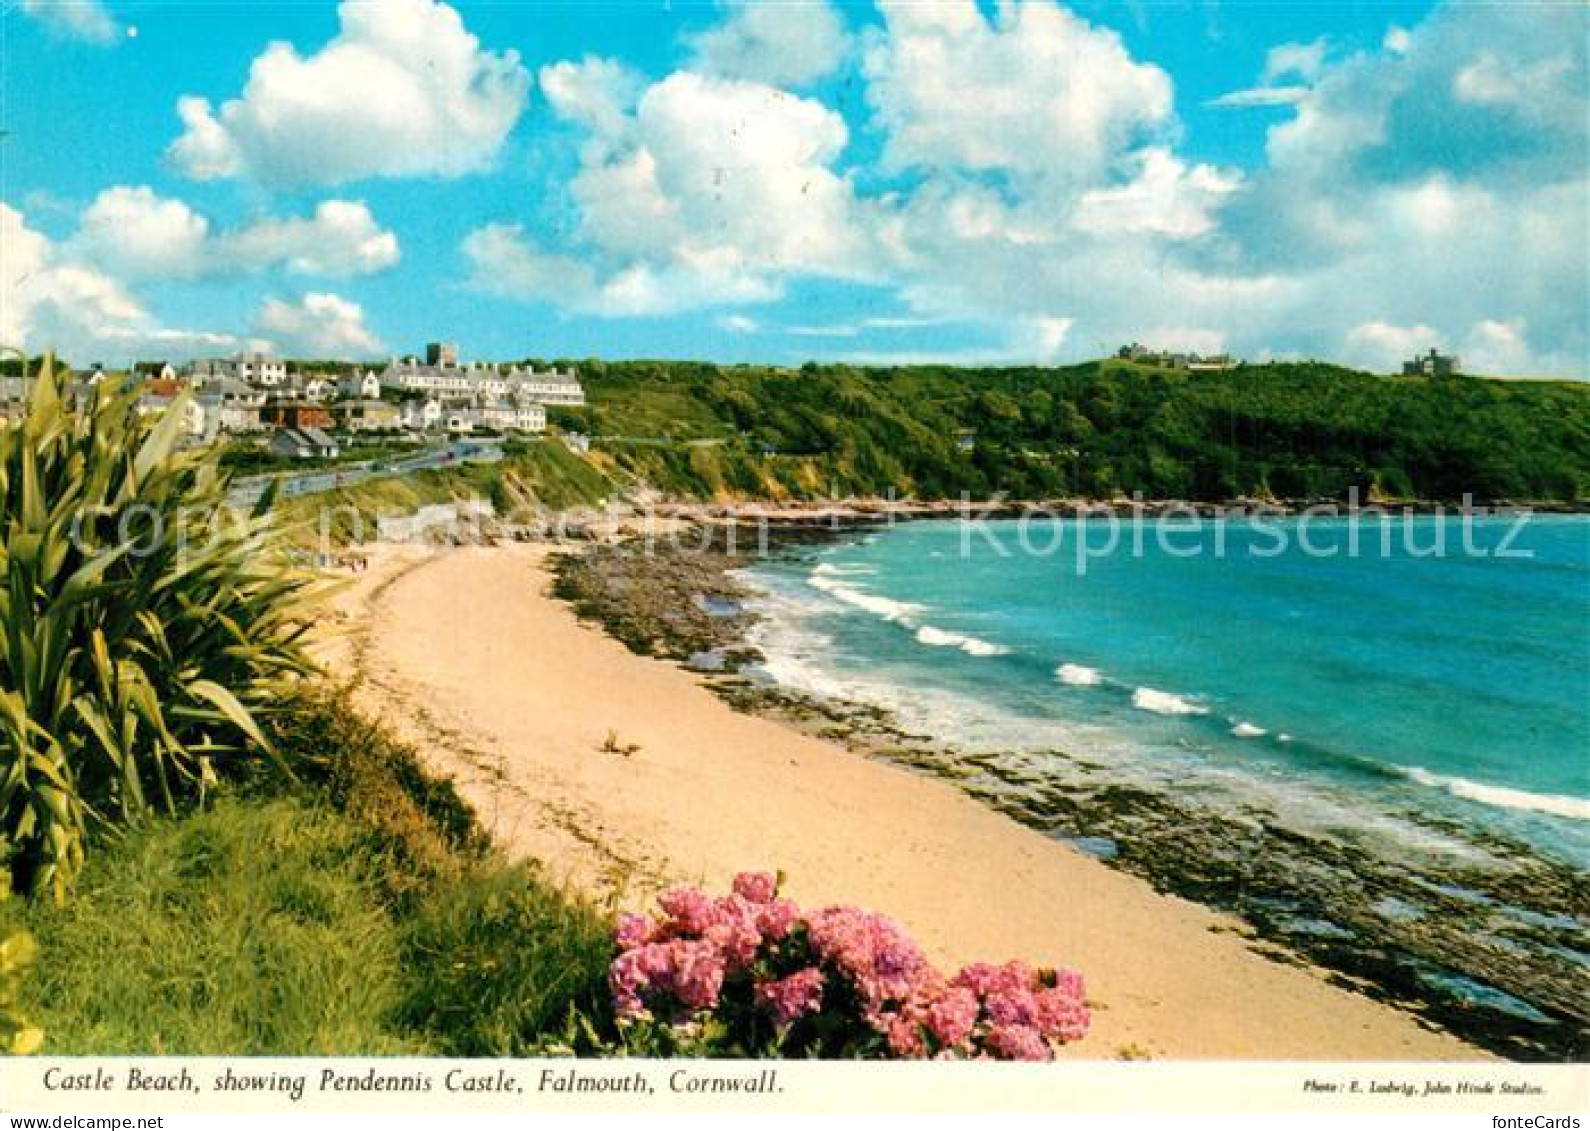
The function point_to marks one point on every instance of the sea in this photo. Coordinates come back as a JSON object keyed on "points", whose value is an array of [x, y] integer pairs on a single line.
{"points": [[1396, 680]]}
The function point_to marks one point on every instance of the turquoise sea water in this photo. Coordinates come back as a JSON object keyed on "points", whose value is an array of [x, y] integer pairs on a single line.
{"points": [[1360, 691]]}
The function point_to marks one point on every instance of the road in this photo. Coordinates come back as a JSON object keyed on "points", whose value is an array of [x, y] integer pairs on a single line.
{"points": [[246, 493]]}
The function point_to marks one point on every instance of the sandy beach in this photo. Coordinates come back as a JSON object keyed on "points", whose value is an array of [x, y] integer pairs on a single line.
{"points": [[622, 774]]}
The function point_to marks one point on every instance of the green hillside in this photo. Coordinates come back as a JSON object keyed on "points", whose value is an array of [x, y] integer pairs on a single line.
{"points": [[1286, 431]]}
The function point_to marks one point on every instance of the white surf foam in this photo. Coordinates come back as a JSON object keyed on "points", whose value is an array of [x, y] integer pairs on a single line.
{"points": [[829, 569], [884, 607], [1554, 804], [1078, 675], [971, 645], [1164, 703], [1248, 730]]}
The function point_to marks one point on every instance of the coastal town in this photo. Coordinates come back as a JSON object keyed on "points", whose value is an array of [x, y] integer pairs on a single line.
{"points": [[311, 411]]}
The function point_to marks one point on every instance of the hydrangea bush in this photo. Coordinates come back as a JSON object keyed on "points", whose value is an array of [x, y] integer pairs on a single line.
{"points": [[751, 974]]}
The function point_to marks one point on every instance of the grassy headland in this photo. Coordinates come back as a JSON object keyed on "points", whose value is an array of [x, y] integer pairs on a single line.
{"points": [[1101, 429]]}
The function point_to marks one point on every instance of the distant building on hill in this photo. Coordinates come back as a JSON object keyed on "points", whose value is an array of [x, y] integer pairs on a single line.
{"points": [[441, 376], [1433, 364], [1197, 363]]}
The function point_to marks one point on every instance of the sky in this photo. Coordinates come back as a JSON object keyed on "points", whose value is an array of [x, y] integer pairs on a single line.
{"points": [[962, 181]]}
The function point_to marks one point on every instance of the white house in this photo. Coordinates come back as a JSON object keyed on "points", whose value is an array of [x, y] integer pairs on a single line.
{"points": [[422, 416], [315, 388], [409, 376], [551, 386], [356, 386], [484, 383], [506, 416], [231, 405], [303, 443], [255, 368], [260, 369]]}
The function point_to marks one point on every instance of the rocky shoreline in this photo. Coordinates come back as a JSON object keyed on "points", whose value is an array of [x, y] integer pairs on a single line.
{"points": [[1444, 943]]}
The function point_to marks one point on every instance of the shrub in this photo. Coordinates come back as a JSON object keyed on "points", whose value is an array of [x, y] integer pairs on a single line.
{"points": [[750, 974], [144, 627]]}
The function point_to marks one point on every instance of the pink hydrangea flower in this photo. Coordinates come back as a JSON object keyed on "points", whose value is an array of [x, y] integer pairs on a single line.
{"points": [[757, 887], [905, 1038], [1062, 1013], [776, 918], [952, 1016], [694, 959], [689, 970], [1017, 1042], [697, 976], [1012, 1007], [735, 930], [884, 964], [984, 978], [793, 997], [689, 911], [633, 931]]}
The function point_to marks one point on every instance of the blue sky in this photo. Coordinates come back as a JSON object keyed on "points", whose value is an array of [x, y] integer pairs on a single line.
{"points": [[978, 182]]}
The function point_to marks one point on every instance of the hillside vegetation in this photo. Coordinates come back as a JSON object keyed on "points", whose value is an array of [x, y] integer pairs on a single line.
{"points": [[1102, 429]]}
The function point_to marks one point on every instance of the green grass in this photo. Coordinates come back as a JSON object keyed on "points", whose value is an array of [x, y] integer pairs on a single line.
{"points": [[546, 472], [254, 927], [360, 910], [507, 960]]}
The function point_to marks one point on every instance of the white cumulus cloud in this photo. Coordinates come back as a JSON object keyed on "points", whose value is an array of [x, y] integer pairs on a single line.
{"points": [[708, 191], [317, 324], [135, 234], [48, 302], [1166, 197], [1036, 91], [88, 20], [781, 44], [403, 90]]}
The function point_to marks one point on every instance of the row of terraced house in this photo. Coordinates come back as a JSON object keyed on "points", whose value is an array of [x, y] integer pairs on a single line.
{"points": [[252, 392]]}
